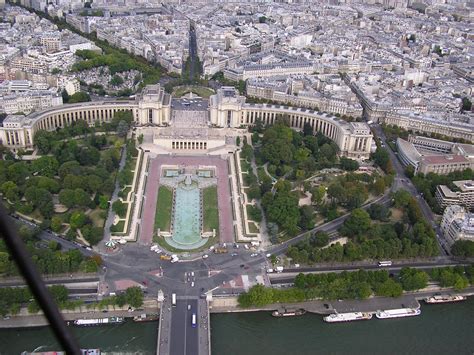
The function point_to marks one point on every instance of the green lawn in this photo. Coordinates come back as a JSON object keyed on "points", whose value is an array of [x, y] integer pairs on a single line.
{"points": [[163, 208], [253, 228], [198, 90], [97, 218], [210, 209], [118, 228]]}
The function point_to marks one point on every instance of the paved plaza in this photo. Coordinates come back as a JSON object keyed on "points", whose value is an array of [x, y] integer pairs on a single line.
{"points": [[153, 183]]}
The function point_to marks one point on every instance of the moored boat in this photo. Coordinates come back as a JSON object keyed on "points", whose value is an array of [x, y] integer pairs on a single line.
{"points": [[444, 299], [347, 317], [146, 317], [99, 321], [398, 313], [289, 313]]}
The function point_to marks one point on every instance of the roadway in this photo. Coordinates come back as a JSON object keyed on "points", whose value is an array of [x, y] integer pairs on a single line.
{"points": [[288, 275], [184, 339], [406, 184]]}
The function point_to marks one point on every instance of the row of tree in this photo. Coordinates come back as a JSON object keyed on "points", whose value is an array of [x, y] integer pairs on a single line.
{"points": [[427, 184], [13, 298], [49, 259], [411, 237], [356, 285]]}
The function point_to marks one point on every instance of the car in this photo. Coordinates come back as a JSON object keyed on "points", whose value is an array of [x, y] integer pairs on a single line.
{"points": [[189, 307], [234, 254], [205, 256], [326, 306], [192, 273], [192, 284], [253, 254], [242, 265], [297, 265], [269, 255], [246, 246]]}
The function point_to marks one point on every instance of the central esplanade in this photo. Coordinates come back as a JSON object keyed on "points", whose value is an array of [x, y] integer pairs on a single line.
{"points": [[155, 108]]}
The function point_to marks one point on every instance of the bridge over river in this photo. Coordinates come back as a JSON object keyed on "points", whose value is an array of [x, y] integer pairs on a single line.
{"points": [[176, 333]]}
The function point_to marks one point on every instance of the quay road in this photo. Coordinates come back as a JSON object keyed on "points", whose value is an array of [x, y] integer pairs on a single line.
{"points": [[288, 275], [176, 334], [408, 185]]}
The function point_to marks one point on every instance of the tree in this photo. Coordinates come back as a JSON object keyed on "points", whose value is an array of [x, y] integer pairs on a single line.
{"points": [[306, 217], [413, 279], [379, 212], [463, 248], [67, 197], [382, 159], [56, 224], [253, 192], [93, 235], [317, 194], [389, 288], [65, 97], [122, 128], [119, 208], [258, 296], [81, 198], [79, 97], [379, 186], [10, 191], [307, 129], [319, 239], [466, 104], [103, 202], [116, 80], [77, 220], [357, 223], [348, 164], [45, 166], [134, 296]]}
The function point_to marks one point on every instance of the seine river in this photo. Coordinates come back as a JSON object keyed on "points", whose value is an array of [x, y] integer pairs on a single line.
{"points": [[441, 329]]}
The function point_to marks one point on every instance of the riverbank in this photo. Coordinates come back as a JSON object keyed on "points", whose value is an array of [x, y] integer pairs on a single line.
{"points": [[324, 307], [229, 304], [39, 320]]}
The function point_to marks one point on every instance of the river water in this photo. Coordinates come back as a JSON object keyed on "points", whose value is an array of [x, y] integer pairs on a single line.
{"points": [[441, 329]]}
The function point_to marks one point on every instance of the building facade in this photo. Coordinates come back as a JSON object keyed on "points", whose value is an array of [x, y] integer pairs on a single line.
{"points": [[427, 155], [457, 224], [463, 196], [227, 109]]}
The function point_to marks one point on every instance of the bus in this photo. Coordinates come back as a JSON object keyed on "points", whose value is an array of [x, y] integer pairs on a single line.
{"points": [[385, 263], [193, 320], [173, 299]]}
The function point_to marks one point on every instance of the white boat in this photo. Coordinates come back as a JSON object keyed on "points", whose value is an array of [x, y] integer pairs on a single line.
{"points": [[445, 299], [98, 321], [398, 313], [347, 317]]}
